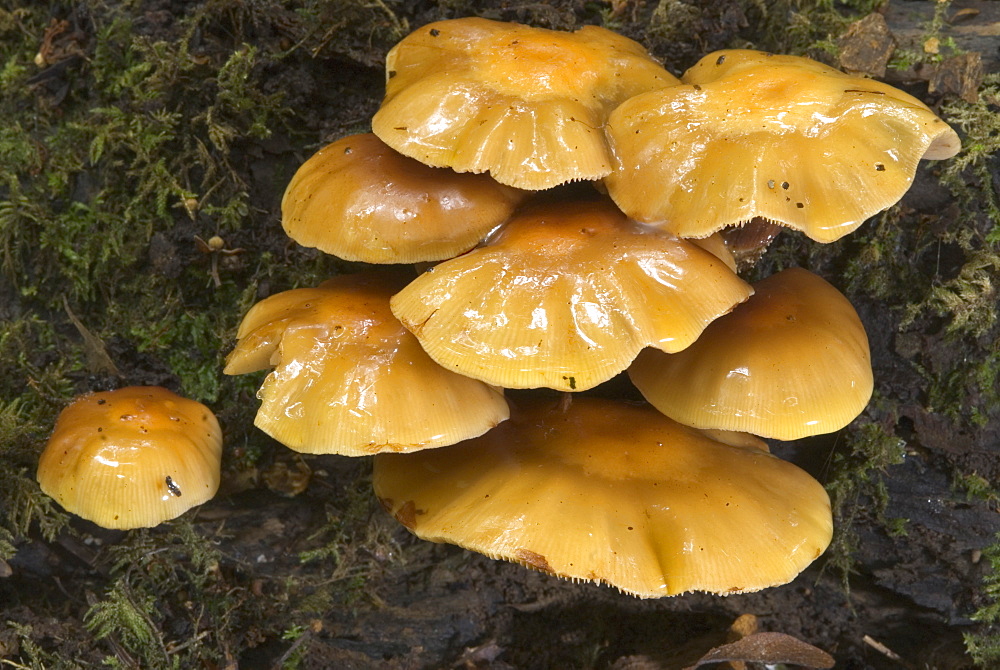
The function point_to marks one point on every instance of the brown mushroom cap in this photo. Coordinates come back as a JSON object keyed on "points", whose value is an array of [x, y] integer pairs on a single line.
{"points": [[361, 201], [565, 296], [614, 493], [791, 361], [132, 458], [526, 104], [349, 379], [785, 138]]}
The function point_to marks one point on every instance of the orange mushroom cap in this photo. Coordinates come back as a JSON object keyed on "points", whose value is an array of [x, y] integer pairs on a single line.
{"points": [[132, 458], [564, 296], [751, 134], [526, 104], [791, 361], [349, 379], [361, 201], [656, 509]]}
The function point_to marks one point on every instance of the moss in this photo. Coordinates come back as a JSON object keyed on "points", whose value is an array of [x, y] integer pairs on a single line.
{"points": [[24, 420], [976, 487], [32, 655], [857, 489], [969, 175], [170, 574], [671, 18], [351, 536], [984, 645], [805, 27]]}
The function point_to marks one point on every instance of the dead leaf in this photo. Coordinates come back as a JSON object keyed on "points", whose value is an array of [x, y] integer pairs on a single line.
{"points": [[768, 648]]}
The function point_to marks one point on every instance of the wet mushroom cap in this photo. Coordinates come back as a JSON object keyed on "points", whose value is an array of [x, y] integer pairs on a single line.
{"points": [[751, 134], [564, 296], [656, 509], [349, 379], [359, 200], [526, 104], [132, 458], [790, 362]]}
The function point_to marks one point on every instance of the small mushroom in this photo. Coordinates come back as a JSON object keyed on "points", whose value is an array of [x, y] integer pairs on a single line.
{"points": [[132, 458], [349, 379], [359, 200], [526, 104], [790, 362], [751, 134], [615, 493], [564, 296]]}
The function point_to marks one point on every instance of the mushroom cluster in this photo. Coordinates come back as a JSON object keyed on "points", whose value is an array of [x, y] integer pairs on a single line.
{"points": [[537, 282]]}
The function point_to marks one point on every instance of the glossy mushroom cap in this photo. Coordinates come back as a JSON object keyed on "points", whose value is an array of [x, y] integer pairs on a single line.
{"points": [[526, 104], [790, 362], [359, 200], [614, 493], [785, 138], [349, 379], [132, 458], [564, 297]]}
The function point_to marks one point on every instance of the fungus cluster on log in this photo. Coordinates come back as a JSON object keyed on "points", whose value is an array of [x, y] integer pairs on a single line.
{"points": [[540, 285]]}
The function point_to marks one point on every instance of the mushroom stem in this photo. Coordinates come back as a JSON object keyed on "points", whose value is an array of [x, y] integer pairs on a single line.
{"points": [[748, 242]]}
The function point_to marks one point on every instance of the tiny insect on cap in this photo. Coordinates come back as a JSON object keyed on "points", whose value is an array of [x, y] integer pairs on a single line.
{"points": [[132, 458]]}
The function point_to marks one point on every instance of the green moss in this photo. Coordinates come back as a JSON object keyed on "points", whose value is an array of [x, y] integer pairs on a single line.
{"points": [[173, 574], [968, 300], [976, 487], [130, 618], [32, 655], [984, 645], [672, 18], [969, 174], [346, 543], [25, 420], [805, 27], [857, 489]]}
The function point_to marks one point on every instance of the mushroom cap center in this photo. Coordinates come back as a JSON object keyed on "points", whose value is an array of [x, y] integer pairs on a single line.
{"points": [[536, 65]]}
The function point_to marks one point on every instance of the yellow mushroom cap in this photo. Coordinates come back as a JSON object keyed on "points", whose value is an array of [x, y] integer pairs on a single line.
{"points": [[526, 104], [791, 361], [565, 296], [785, 138], [615, 493], [132, 458], [359, 200], [349, 379]]}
